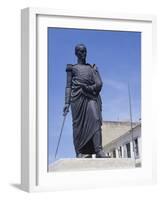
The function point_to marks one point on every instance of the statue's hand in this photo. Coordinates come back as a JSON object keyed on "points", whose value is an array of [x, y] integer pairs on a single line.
{"points": [[89, 88], [83, 86], [66, 109]]}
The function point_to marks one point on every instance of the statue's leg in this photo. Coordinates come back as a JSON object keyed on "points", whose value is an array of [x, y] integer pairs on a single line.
{"points": [[86, 151], [97, 142]]}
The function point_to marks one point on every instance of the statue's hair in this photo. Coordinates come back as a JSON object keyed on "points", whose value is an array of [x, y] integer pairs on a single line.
{"points": [[78, 46]]}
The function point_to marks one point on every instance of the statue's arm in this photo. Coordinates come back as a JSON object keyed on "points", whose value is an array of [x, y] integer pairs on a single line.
{"points": [[98, 80], [68, 89], [97, 86]]}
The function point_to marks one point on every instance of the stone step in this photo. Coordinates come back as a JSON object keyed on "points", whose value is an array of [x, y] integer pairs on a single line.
{"points": [[79, 164]]}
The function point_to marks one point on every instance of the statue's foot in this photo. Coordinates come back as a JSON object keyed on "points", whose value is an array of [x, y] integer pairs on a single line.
{"points": [[80, 155], [101, 154], [87, 155]]}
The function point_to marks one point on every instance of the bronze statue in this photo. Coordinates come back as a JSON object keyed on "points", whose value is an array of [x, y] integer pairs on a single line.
{"points": [[83, 94]]}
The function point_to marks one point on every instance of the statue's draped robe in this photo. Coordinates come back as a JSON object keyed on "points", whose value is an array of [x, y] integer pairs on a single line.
{"points": [[86, 106]]}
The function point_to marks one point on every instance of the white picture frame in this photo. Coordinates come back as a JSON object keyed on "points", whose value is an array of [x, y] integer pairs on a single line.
{"points": [[34, 175]]}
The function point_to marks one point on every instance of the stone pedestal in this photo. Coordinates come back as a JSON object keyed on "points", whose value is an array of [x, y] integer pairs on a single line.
{"points": [[80, 164]]}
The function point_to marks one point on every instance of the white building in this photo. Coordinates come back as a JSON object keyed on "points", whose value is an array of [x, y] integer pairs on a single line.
{"points": [[120, 141]]}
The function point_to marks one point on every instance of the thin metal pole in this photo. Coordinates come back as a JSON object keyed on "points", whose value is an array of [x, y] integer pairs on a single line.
{"points": [[131, 120], [60, 135]]}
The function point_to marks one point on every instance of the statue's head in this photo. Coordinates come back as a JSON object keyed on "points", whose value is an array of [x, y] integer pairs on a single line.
{"points": [[81, 51]]}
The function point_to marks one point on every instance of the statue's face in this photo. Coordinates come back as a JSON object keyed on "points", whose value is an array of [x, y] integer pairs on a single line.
{"points": [[81, 52]]}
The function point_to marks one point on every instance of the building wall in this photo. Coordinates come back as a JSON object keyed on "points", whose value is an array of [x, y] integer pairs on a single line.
{"points": [[127, 145], [112, 130]]}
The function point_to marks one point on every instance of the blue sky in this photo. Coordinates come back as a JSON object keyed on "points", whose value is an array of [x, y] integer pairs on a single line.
{"points": [[117, 54]]}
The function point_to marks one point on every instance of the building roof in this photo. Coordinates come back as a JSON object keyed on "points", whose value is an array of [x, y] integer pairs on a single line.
{"points": [[111, 130]]}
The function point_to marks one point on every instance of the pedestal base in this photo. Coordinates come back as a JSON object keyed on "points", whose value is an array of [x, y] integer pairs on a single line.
{"points": [[79, 164]]}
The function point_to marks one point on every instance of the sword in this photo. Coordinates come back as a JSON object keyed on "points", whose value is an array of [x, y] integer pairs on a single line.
{"points": [[60, 135]]}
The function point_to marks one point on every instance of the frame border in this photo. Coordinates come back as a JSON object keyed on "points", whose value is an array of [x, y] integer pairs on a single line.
{"points": [[29, 143]]}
